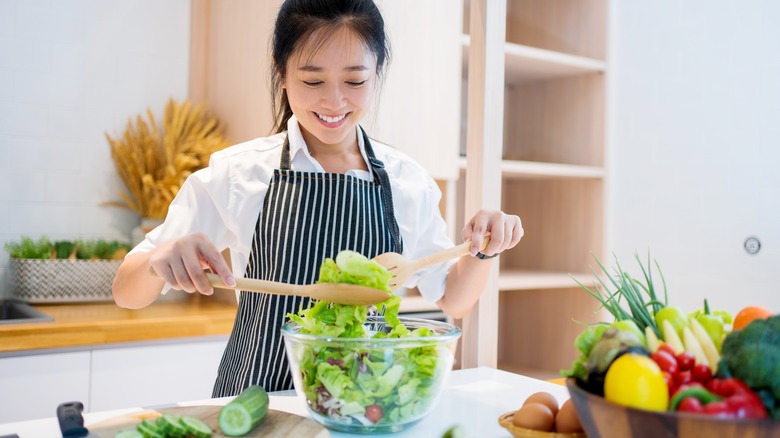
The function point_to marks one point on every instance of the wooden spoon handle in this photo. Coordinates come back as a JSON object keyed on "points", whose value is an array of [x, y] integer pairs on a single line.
{"points": [[253, 285], [454, 252]]}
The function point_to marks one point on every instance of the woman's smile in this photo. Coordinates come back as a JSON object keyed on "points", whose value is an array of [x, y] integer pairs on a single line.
{"points": [[331, 121]]}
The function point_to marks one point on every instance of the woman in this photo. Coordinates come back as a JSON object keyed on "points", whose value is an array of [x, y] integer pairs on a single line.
{"points": [[284, 203]]}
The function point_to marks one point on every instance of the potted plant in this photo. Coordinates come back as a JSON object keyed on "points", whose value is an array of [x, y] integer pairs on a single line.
{"points": [[153, 161], [43, 271]]}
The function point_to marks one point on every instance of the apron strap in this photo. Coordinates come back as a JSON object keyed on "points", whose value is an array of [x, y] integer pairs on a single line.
{"points": [[383, 180], [387, 194]]}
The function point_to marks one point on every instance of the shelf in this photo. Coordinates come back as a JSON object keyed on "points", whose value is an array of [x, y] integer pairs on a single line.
{"points": [[535, 169], [529, 64], [534, 280]]}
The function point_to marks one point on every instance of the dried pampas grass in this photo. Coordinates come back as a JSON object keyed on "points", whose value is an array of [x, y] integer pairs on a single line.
{"points": [[154, 162]]}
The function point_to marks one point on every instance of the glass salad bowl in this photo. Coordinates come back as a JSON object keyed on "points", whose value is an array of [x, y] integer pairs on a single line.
{"points": [[372, 384]]}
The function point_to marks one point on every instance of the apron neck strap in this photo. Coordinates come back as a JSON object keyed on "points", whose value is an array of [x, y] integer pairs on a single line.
{"points": [[378, 167]]}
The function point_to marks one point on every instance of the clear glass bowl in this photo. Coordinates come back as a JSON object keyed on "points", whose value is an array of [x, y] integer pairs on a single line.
{"points": [[371, 385]]}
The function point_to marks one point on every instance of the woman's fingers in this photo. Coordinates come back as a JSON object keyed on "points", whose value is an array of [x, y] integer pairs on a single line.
{"points": [[181, 264], [505, 231]]}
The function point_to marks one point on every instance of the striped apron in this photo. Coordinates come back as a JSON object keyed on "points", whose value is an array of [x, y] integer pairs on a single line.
{"points": [[307, 217]]}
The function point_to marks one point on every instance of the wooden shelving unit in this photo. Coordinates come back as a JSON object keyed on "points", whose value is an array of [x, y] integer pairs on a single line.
{"points": [[553, 175]]}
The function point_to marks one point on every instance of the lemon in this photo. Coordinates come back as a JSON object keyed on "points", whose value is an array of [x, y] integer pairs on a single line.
{"points": [[636, 381]]}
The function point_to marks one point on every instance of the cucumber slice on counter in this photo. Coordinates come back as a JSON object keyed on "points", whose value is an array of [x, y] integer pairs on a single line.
{"points": [[149, 430], [245, 412], [196, 427], [171, 425], [130, 433]]}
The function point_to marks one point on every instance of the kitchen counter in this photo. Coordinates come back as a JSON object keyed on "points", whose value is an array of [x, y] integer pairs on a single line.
{"points": [[89, 324], [473, 398]]}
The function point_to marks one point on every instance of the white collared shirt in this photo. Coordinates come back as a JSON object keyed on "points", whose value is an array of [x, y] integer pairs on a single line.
{"points": [[225, 199]]}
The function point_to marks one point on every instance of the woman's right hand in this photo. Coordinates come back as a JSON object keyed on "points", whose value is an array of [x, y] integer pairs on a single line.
{"points": [[181, 263]]}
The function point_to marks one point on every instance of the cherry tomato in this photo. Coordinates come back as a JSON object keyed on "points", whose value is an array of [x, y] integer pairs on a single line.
{"points": [[374, 413], [670, 383], [665, 361], [683, 378], [666, 347], [685, 361], [701, 373], [690, 404]]}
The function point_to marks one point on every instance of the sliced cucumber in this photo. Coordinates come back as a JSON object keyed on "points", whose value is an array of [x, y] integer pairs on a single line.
{"points": [[149, 430], [130, 433], [196, 427], [171, 425], [245, 412]]}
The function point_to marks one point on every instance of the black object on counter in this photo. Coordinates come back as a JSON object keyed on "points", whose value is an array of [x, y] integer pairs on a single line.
{"points": [[70, 419]]}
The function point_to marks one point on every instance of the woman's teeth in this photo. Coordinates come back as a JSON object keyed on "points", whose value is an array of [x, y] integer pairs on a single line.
{"points": [[332, 119]]}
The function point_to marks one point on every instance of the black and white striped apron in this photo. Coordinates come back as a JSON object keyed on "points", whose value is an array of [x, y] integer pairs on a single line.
{"points": [[306, 217]]}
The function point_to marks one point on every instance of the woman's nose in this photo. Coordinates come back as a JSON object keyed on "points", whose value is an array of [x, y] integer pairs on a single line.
{"points": [[333, 98]]}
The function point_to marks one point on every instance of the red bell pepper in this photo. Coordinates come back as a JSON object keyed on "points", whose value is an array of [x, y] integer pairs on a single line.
{"points": [[739, 400]]}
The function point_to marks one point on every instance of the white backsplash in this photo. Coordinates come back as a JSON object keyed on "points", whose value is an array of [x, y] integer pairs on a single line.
{"points": [[70, 72]]}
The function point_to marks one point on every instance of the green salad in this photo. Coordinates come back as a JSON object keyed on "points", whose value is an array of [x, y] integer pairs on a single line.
{"points": [[369, 384]]}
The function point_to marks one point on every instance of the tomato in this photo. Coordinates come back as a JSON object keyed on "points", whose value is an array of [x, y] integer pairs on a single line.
{"points": [[667, 362], [685, 361], [374, 413], [701, 373], [748, 315], [667, 348], [683, 378], [690, 404], [635, 380], [670, 383], [674, 315]]}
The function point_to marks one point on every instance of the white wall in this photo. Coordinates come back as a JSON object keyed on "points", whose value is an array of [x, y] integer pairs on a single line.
{"points": [[695, 141], [69, 72]]}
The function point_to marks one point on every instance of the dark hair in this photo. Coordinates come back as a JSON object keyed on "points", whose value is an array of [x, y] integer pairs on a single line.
{"points": [[298, 20]]}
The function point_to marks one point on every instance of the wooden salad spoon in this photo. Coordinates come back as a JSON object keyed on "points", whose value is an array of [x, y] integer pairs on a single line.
{"points": [[340, 293], [402, 268]]}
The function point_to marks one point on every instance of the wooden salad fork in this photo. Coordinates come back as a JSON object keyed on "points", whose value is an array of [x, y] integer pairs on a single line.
{"points": [[402, 268], [351, 294]]}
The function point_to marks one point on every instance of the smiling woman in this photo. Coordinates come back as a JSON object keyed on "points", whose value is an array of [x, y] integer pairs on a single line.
{"points": [[283, 204]]}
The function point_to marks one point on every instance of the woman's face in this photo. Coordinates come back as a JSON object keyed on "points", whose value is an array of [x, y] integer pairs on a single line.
{"points": [[330, 88]]}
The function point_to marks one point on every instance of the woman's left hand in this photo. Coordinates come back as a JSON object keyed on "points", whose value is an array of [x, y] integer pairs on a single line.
{"points": [[505, 231]]}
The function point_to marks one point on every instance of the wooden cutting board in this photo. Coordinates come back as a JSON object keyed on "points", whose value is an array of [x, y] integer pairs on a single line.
{"points": [[277, 424]]}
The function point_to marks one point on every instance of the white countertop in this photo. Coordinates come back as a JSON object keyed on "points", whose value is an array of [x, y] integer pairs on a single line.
{"points": [[473, 398]]}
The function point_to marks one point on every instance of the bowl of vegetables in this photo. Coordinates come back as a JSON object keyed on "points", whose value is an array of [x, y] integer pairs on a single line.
{"points": [[377, 375], [658, 371]]}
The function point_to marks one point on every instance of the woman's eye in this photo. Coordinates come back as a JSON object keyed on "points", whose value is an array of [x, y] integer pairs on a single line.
{"points": [[355, 84], [312, 83]]}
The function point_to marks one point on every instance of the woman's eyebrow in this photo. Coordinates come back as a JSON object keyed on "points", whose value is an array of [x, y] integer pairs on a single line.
{"points": [[316, 69]]}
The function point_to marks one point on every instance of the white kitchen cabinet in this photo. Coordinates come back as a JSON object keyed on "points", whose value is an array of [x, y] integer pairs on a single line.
{"points": [[32, 387], [148, 375]]}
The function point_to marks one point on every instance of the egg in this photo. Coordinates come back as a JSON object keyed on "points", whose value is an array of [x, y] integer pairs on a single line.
{"points": [[567, 421], [534, 416], [544, 398]]}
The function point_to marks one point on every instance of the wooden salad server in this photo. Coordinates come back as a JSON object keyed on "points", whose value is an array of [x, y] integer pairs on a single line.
{"points": [[333, 292], [402, 268]]}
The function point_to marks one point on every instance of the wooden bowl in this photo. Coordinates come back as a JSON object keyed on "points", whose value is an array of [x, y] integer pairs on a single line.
{"points": [[603, 419], [505, 420]]}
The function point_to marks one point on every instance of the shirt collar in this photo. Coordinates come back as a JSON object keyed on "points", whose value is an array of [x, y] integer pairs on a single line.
{"points": [[298, 147]]}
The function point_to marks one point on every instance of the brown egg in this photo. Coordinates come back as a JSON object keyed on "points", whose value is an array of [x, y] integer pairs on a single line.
{"points": [[567, 421], [534, 416], [544, 398]]}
